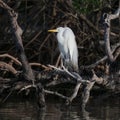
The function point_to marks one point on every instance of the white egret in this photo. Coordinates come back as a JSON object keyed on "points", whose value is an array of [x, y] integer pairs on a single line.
{"points": [[67, 46]]}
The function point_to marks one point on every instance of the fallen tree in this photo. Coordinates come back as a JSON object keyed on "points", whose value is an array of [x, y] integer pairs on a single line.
{"points": [[26, 78]]}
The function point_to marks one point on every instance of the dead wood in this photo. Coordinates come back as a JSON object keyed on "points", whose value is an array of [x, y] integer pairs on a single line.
{"points": [[17, 32], [6, 67], [115, 52], [91, 25], [45, 80], [12, 58], [107, 18]]}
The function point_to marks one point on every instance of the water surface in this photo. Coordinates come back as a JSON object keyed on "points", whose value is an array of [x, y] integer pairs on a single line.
{"points": [[17, 109]]}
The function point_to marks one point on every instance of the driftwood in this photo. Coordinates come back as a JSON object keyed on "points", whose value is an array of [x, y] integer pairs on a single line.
{"points": [[50, 76]]}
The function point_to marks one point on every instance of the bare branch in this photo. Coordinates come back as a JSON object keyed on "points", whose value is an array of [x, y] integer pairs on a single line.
{"points": [[86, 93], [107, 18], [11, 57], [55, 93], [115, 15], [72, 74], [115, 51], [76, 89], [7, 67], [90, 24], [38, 64]]}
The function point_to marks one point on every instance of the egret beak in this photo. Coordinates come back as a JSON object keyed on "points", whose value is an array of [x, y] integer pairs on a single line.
{"points": [[53, 30]]}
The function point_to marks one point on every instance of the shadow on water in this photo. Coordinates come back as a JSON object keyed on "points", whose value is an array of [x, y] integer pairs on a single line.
{"points": [[18, 109]]}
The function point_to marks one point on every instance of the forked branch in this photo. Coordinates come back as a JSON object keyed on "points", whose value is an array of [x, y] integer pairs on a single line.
{"points": [[107, 18]]}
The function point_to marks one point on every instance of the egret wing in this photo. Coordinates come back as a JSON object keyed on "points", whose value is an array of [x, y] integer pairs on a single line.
{"points": [[71, 45]]}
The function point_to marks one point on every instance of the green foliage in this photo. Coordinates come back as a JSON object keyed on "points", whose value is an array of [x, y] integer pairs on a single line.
{"points": [[86, 6]]}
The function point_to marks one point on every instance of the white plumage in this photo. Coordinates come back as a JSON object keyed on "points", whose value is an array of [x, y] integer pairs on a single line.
{"points": [[67, 46]]}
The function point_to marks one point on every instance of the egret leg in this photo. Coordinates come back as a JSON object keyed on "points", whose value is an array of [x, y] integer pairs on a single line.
{"points": [[62, 63]]}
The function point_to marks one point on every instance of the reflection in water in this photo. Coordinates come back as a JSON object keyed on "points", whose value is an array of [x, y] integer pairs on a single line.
{"points": [[27, 110]]}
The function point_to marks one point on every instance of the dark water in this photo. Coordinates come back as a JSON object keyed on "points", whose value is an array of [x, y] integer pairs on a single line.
{"points": [[17, 109]]}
